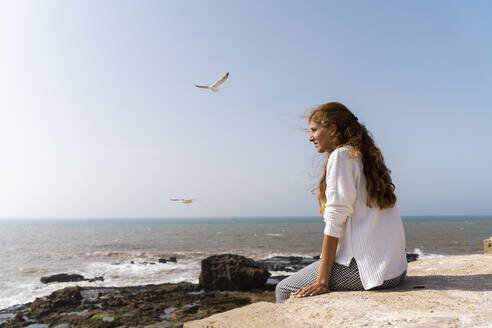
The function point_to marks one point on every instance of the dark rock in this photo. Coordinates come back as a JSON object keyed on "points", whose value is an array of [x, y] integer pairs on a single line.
{"points": [[412, 257], [98, 278], [19, 317], [63, 298], [65, 277], [418, 287], [62, 277], [287, 263], [232, 272], [171, 259]]}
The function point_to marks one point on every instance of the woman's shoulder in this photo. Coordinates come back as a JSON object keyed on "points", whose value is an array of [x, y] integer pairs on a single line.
{"points": [[344, 151], [345, 154]]}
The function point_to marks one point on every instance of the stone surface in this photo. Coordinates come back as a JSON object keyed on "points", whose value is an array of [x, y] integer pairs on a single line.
{"points": [[454, 291], [232, 272], [487, 246]]}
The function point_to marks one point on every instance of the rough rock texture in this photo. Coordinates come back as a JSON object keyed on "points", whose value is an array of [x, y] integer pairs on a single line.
{"points": [[164, 305], [232, 272], [59, 300], [454, 291], [66, 277]]}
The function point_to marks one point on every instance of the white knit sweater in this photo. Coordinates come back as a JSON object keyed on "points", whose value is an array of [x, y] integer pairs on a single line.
{"points": [[372, 236]]}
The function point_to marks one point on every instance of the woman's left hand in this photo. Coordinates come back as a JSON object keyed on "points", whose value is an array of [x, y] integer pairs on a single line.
{"points": [[314, 289]]}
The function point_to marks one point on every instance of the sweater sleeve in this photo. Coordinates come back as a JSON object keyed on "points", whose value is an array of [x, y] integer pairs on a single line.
{"points": [[340, 191]]}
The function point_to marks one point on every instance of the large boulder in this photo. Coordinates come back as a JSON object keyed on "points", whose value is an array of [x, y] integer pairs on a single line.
{"points": [[232, 272]]}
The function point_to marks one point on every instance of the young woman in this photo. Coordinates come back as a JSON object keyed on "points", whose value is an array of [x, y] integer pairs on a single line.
{"points": [[364, 243]]}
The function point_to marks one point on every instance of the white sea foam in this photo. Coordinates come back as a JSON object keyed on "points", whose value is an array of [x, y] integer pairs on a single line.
{"points": [[125, 273], [140, 273], [423, 256], [281, 273], [274, 234], [115, 275]]}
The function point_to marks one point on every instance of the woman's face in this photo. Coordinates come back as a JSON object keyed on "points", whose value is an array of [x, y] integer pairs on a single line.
{"points": [[324, 138]]}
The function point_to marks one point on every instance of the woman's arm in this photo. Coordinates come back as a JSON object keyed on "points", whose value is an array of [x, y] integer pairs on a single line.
{"points": [[341, 191], [328, 252]]}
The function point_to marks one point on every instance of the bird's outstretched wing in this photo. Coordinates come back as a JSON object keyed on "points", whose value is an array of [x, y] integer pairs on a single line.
{"points": [[222, 80], [201, 86]]}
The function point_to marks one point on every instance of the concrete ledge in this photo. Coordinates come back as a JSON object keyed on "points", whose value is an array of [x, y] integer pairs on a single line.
{"points": [[454, 291]]}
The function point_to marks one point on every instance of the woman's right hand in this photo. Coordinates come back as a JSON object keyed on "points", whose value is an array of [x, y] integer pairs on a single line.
{"points": [[311, 290]]}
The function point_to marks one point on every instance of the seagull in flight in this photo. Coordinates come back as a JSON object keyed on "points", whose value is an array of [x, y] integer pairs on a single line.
{"points": [[214, 87], [182, 200]]}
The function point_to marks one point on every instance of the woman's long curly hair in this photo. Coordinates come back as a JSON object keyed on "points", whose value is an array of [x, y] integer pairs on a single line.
{"points": [[380, 188]]}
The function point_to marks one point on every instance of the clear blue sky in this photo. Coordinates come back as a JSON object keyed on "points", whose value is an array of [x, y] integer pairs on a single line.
{"points": [[100, 118]]}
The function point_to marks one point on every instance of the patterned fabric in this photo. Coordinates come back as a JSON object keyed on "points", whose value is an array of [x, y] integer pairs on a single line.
{"points": [[342, 278]]}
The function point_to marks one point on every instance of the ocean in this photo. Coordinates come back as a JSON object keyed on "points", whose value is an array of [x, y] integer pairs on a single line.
{"points": [[127, 251]]}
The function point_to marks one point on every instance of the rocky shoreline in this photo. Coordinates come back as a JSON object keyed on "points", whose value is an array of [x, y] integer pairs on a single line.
{"points": [[164, 305], [160, 305]]}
